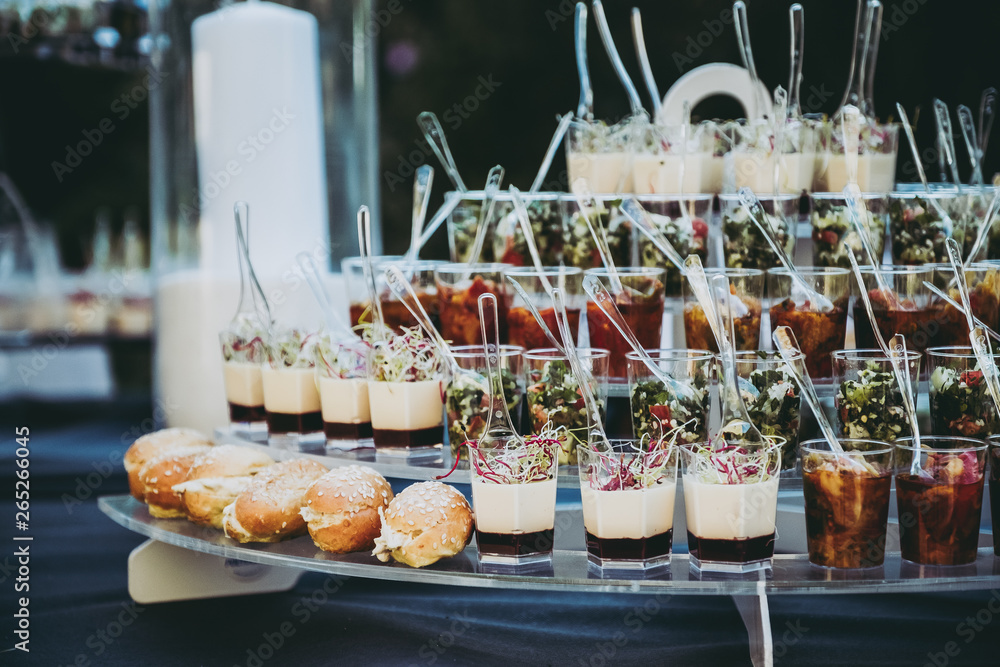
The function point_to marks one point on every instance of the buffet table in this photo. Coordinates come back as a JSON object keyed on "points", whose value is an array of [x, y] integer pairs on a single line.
{"points": [[81, 605]]}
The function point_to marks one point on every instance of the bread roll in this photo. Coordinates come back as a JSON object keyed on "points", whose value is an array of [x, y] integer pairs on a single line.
{"points": [[423, 524], [215, 480], [156, 444], [342, 508], [268, 508], [159, 476]]}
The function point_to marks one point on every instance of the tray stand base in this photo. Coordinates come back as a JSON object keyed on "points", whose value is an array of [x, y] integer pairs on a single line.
{"points": [[160, 572], [756, 617]]}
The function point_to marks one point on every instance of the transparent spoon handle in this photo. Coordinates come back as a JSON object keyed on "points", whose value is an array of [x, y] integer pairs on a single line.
{"points": [[422, 184], [433, 132], [489, 323]]}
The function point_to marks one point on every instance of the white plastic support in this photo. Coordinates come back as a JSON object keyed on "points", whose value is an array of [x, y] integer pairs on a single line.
{"points": [[159, 572], [708, 81], [756, 617]]}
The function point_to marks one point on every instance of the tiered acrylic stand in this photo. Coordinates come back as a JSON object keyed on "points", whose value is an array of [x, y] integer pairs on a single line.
{"points": [[185, 561]]}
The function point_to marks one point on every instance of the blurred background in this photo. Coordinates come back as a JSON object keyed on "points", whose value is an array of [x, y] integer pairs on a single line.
{"points": [[496, 73]]}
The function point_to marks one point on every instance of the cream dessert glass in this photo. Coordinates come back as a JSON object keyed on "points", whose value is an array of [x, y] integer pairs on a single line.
{"points": [[244, 353], [514, 498], [405, 393], [342, 380], [628, 503], [291, 399], [731, 498]]}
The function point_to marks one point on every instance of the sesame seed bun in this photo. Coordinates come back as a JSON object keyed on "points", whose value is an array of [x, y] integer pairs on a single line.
{"points": [[156, 444], [423, 524], [268, 508], [216, 479], [342, 508], [159, 476]]}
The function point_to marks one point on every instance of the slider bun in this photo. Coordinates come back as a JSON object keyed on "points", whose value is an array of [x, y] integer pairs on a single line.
{"points": [[423, 524], [155, 444], [159, 476], [342, 508], [216, 479], [268, 508]]}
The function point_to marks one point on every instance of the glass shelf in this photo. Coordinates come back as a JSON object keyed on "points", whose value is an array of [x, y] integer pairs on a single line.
{"points": [[569, 570]]}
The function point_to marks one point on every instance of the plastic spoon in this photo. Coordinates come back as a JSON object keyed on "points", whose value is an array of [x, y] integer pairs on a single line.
{"points": [[529, 237], [987, 109], [592, 286], [438, 219], [333, 321], [735, 417], [746, 53], [946, 140], [703, 293], [796, 21], [897, 355], [984, 226], [968, 127], [778, 129], [400, 286], [585, 108], [550, 152], [977, 337], [788, 347], [858, 54], [856, 210], [583, 378], [248, 279], [643, 57], [634, 211], [422, 183], [493, 181], [871, 56], [365, 241], [499, 425], [616, 60], [556, 343], [583, 200], [946, 222], [957, 306], [431, 127], [756, 212], [867, 302]]}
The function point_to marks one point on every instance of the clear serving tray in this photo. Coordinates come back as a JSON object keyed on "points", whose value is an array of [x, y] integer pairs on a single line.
{"points": [[569, 569]]}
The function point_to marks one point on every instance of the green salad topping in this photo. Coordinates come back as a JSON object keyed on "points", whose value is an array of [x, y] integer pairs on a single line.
{"points": [[745, 247], [555, 401], [657, 413], [467, 405], [773, 404], [961, 403], [871, 407]]}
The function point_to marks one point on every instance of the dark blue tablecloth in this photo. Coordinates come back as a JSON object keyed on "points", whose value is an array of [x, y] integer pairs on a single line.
{"points": [[81, 612]]}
